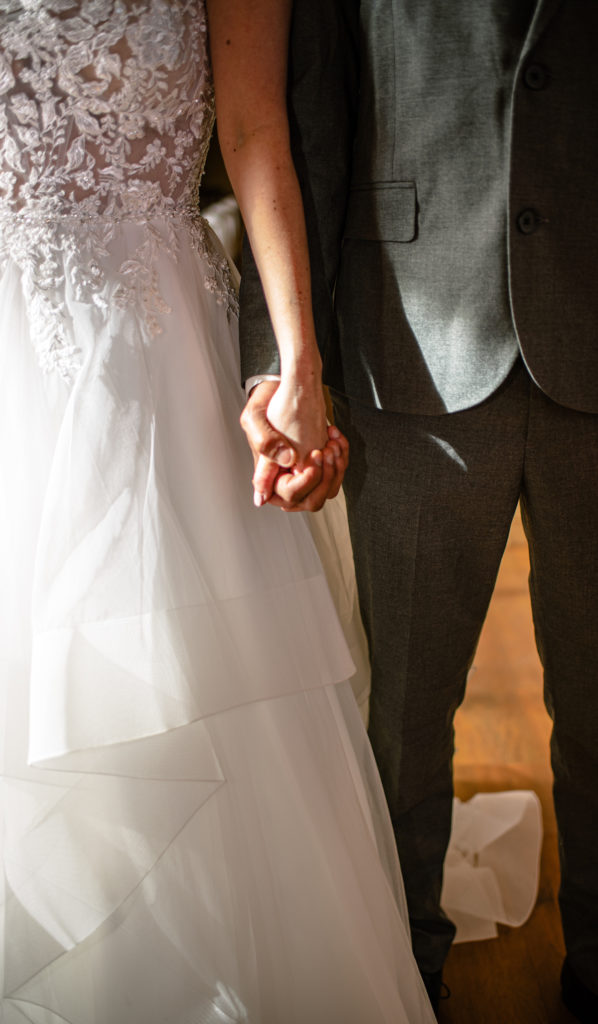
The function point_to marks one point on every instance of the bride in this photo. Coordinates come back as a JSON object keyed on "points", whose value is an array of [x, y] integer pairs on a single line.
{"points": [[193, 829]]}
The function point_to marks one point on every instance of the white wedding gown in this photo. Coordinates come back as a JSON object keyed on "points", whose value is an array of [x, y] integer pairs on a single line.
{"points": [[193, 829]]}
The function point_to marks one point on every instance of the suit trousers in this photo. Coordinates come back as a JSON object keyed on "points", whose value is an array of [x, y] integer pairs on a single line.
{"points": [[430, 502]]}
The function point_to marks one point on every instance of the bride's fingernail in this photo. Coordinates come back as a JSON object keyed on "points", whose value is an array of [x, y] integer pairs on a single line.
{"points": [[258, 499]]}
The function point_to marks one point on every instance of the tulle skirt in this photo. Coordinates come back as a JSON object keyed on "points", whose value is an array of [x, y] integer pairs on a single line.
{"points": [[193, 828]]}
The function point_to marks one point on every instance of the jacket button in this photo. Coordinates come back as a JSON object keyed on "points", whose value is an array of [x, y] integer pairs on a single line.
{"points": [[535, 76], [528, 221]]}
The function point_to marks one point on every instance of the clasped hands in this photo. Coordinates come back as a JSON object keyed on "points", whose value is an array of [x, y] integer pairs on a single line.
{"points": [[299, 461]]}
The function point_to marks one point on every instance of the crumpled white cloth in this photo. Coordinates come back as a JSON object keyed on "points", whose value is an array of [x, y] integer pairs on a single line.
{"points": [[492, 866]]}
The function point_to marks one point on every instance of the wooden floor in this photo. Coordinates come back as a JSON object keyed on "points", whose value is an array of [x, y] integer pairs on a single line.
{"points": [[502, 743]]}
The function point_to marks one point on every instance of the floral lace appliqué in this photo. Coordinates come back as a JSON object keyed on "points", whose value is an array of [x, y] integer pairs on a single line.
{"points": [[106, 111]]}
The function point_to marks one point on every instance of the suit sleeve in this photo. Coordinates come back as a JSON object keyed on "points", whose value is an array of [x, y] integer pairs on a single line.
{"points": [[322, 100]]}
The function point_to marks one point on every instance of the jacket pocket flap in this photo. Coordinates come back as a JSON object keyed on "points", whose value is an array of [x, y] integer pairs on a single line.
{"points": [[384, 212]]}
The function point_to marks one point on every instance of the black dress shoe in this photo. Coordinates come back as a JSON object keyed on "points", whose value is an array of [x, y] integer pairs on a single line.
{"points": [[577, 997], [435, 988]]}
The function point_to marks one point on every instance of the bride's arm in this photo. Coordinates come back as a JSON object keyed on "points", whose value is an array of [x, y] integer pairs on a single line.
{"points": [[249, 45]]}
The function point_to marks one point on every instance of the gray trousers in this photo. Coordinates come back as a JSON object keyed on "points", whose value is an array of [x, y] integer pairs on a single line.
{"points": [[430, 501]]}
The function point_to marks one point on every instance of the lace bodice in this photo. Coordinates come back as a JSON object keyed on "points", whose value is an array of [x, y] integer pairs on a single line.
{"points": [[106, 112]]}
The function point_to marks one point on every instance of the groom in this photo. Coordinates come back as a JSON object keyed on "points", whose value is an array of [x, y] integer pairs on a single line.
{"points": [[448, 156]]}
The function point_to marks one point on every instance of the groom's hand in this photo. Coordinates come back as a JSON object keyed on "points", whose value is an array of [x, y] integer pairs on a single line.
{"points": [[271, 451], [277, 478], [307, 489]]}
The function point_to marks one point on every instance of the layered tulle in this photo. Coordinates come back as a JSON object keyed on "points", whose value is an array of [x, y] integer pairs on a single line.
{"points": [[192, 824]]}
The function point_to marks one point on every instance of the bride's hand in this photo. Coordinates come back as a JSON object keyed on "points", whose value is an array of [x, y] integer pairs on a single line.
{"points": [[298, 411]]}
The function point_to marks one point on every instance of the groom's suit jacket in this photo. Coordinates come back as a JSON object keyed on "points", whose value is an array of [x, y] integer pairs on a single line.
{"points": [[448, 156]]}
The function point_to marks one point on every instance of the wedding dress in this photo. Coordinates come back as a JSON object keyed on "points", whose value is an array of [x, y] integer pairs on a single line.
{"points": [[193, 829]]}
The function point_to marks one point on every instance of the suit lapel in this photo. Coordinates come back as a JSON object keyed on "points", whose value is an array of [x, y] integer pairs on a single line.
{"points": [[545, 10]]}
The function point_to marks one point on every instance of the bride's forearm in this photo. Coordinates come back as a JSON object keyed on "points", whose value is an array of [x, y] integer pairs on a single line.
{"points": [[264, 179], [249, 43]]}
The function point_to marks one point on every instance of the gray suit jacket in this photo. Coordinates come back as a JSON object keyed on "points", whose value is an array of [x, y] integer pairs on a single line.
{"points": [[448, 155]]}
